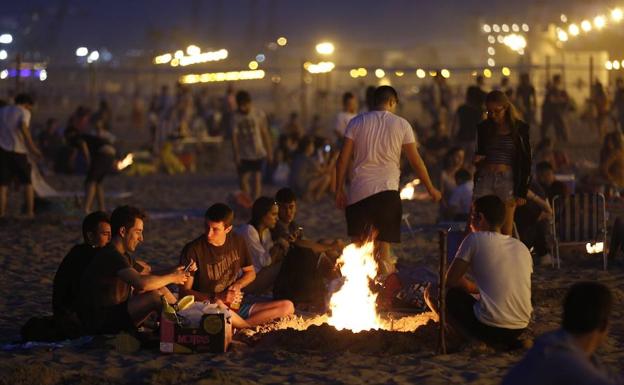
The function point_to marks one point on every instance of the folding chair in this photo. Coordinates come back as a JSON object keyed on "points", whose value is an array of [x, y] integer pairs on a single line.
{"points": [[578, 219]]}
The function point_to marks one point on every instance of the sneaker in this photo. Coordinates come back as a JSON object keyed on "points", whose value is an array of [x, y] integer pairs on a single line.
{"points": [[546, 260]]}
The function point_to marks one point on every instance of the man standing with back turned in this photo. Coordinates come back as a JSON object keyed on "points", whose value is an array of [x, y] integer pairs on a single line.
{"points": [[376, 139]]}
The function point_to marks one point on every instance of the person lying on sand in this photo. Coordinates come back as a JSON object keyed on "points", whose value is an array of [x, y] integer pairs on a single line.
{"points": [[225, 267], [114, 296], [566, 356], [496, 307]]}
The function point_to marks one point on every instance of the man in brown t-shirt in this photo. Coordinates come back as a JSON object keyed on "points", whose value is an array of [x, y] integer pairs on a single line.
{"points": [[114, 296], [224, 267]]}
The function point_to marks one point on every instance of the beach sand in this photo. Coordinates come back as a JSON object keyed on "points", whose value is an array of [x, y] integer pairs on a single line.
{"points": [[30, 252]]}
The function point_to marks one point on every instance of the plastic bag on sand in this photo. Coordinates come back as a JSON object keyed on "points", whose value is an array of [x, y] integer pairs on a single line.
{"points": [[193, 314]]}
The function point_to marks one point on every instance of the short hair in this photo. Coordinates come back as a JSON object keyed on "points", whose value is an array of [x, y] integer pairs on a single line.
{"points": [[346, 97], [383, 95], [125, 216], [260, 208], [90, 222], [242, 97], [586, 307], [543, 166], [220, 212], [462, 176], [285, 195], [492, 208], [24, 99]]}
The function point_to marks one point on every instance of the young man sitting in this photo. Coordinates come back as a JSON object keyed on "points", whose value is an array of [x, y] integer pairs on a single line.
{"points": [[502, 268], [96, 231], [566, 356], [225, 267], [307, 262], [114, 295]]}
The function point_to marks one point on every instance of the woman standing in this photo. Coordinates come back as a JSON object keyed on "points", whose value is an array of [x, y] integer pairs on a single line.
{"points": [[503, 156]]}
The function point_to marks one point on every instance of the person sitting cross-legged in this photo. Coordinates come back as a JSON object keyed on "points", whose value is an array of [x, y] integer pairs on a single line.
{"points": [[496, 307], [567, 355], [225, 268]]}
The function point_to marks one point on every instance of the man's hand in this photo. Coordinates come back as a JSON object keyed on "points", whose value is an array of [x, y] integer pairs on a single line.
{"points": [[179, 276], [228, 296], [435, 194], [341, 199]]}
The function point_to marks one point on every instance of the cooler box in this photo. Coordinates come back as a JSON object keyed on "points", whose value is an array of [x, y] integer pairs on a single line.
{"points": [[213, 335]]}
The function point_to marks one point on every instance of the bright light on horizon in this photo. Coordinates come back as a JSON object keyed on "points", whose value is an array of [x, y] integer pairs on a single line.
{"points": [[82, 51], [3, 54], [6, 38], [380, 73], [586, 25], [574, 30], [617, 15], [600, 22], [325, 48], [282, 41]]}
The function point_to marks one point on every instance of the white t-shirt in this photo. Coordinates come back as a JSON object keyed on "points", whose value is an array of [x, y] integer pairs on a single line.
{"points": [[461, 198], [342, 121], [258, 249], [248, 130], [378, 137], [502, 268], [11, 120]]}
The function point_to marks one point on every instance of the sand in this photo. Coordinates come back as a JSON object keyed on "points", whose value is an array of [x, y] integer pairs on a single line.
{"points": [[30, 252]]}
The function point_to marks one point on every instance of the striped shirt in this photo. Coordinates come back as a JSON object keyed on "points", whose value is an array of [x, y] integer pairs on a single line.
{"points": [[501, 150]]}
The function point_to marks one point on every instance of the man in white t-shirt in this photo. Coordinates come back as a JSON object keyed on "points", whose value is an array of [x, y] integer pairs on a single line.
{"points": [[349, 110], [375, 140], [15, 144], [501, 267], [251, 142]]}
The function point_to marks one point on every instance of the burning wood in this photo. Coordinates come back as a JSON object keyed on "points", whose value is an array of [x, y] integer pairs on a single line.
{"points": [[125, 162], [354, 305]]}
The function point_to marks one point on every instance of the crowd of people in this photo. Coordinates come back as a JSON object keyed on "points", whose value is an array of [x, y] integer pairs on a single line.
{"points": [[490, 179]]}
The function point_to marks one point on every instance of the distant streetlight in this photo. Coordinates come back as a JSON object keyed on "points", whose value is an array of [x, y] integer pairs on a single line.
{"points": [[3, 54], [282, 41], [325, 48], [82, 51], [6, 38], [93, 57]]}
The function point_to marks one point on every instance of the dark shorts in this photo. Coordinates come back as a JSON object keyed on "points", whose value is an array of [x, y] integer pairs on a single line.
{"points": [[14, 166], [459, 307], [247, 165], [100, 166], [110, 320], [381, 211]]}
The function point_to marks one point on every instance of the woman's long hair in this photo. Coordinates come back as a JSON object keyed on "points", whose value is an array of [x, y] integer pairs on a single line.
{"points": [[512, 116], [261, 207]]}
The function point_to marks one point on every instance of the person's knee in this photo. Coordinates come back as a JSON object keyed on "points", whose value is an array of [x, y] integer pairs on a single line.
{"points": [[286, 308]]}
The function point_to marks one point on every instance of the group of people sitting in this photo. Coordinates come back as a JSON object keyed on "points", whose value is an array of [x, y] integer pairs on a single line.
{"points": [[100, 288]]}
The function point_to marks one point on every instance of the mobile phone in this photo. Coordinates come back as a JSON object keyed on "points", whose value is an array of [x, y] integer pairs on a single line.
{"points": [[188, 267]]}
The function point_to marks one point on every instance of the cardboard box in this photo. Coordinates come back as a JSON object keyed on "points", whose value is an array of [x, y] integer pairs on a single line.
{"points": [[214, 335]]}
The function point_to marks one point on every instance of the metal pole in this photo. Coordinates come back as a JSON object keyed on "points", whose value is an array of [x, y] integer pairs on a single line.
{"points": [[591, 76], [443, 235], [18, 72]]}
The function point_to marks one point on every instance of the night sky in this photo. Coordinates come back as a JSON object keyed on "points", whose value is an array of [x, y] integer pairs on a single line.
{"points": [[163, 24]]}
